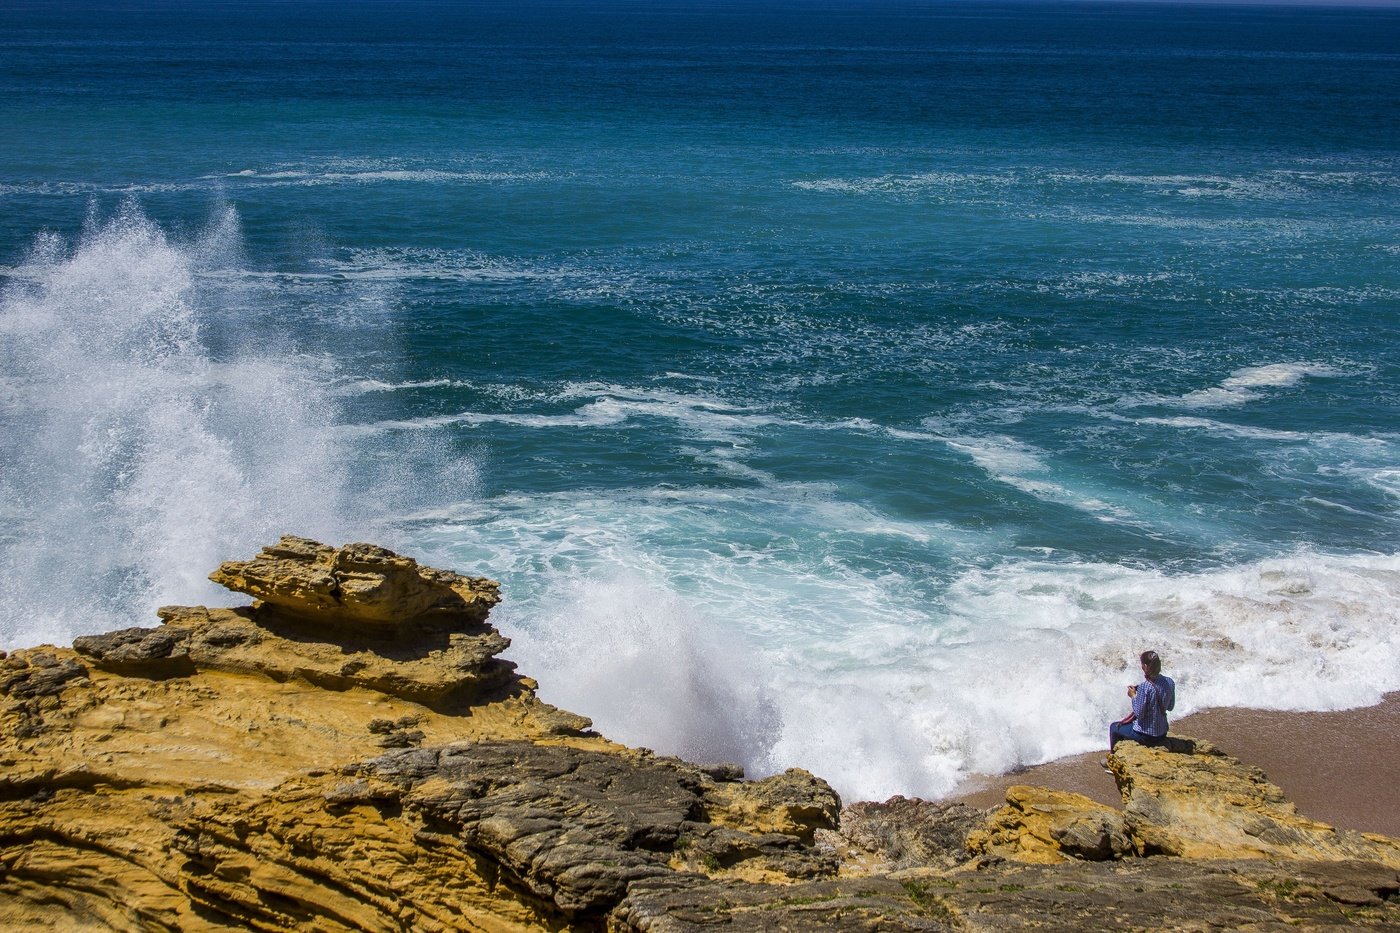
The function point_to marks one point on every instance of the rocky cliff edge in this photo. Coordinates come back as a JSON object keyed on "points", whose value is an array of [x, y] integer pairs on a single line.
{"points": [[351, 753]]}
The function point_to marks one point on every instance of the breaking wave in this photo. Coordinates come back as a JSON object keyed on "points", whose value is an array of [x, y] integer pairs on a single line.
{"points": [[137, 455]]}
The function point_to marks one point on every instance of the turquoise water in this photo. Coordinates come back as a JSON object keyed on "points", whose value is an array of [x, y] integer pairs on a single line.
{"points": [[850, 385]]}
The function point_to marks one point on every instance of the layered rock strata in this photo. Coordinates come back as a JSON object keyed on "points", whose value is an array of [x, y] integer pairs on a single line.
{"points": [[1194, 801], [351, 753]]}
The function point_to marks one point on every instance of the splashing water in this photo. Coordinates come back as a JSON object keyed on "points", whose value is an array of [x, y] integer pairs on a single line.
{"points": [[881, 705], [136, 457]]}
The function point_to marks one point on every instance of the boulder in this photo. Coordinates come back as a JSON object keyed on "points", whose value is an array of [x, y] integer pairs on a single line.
{"points": [[794, 803], [355, 585], [450, 669], [578, 826], [357, 616], [35, 674], [1044, 826], [904, 833], [1191, 800], [1084, 897]]}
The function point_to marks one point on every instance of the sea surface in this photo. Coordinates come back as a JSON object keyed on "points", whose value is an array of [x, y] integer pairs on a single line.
{"points": [[849, 384]]}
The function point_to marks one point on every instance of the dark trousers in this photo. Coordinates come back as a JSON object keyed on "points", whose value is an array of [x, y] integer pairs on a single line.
{"points": [[1119, 731]]}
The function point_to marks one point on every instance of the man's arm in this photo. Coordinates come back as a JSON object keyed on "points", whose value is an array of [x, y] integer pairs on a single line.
{"points": [[1132, 695], [1139, 695]]}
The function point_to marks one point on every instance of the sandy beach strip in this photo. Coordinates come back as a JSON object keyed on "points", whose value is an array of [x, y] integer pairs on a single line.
{"points": [[1339, 767]]}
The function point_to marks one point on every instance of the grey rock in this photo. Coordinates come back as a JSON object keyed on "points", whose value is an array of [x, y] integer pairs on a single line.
{"points": [[712, 849], [146, 652], [908, 832], [724, 771], [402, 738], [579, 828], [1096, 897], [683, 905], [1166, 894], [41, 679]]}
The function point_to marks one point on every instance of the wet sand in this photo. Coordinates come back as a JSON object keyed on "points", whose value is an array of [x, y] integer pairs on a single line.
{"points": [[1342, 768]]}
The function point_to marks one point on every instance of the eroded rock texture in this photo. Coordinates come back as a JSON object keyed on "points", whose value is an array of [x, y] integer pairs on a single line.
{"points": [[1195, 801], [350, 753], [358, 585], [1050, 826]]}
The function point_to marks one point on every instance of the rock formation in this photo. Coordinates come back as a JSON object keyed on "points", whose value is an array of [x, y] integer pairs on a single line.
{"points": [[350, 753], [1194, 801], [1049, 827], [359, 585]]}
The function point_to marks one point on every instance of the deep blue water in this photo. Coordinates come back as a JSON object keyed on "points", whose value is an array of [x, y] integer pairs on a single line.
{"points": [[858, 385]]}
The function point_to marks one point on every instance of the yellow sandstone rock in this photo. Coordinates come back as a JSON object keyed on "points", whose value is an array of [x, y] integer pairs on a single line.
{"points": [[794, 803], [1192, 800], [355, 585], [1187, 799], [1041, 826]]}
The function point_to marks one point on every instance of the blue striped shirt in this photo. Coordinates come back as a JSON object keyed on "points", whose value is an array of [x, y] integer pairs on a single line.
{"points": [[1155, 696]]}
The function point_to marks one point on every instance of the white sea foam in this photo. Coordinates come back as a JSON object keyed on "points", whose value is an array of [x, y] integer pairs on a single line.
{"points": [[1338, 506], [365, 173], [1249, 432], [1387, 480], [1266, 186], [610, 405], [1326, 295], [135, 459], [1091, 284], [757, 626], [1232, 430], [602, 413], [1338, 179], [1245, 385], [696, 415], [370, 386], [1373, 443], [701, 415], [1021, 466], [372, 174], [1260, 228], [332, 173], [903, 184], [394, 264]]}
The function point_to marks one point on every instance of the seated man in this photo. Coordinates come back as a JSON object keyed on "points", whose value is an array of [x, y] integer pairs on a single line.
{"points": [[1147, 723]]}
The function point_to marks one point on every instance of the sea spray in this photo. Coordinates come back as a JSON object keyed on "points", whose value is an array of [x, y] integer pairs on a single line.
{"points": [[137, 457], [651, 668], [800, 658]]}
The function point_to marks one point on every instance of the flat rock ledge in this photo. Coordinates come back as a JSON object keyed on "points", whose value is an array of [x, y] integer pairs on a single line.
{"points": [[351, 753]]}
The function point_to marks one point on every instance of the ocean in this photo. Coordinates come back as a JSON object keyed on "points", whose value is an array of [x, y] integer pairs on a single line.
{"points": [[856, 385]]}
